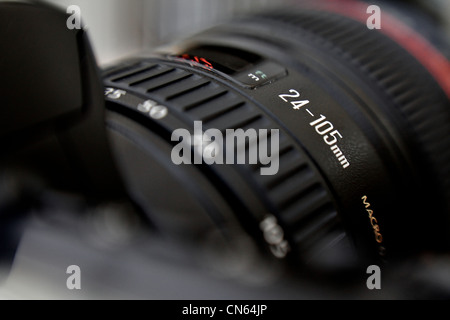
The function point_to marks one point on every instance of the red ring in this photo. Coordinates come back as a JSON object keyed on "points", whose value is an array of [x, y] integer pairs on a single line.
{"points": [[419, 47]]}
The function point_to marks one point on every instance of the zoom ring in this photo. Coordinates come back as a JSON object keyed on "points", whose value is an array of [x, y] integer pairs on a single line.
{"points": [[296, 195]]}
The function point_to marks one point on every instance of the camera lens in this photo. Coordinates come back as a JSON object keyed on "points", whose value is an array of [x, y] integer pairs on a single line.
{"points": [[339, 133]]}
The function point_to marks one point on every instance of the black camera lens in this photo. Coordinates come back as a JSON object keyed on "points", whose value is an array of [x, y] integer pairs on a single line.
{"points": [[339, 133]]}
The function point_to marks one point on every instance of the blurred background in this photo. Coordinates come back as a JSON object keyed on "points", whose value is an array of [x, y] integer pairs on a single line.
{"points": [[120, 28]]}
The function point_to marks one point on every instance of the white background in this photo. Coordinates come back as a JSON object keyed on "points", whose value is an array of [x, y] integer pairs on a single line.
{"points": [[118, 28]]}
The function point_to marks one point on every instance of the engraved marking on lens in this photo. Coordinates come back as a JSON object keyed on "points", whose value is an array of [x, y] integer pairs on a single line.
{"points": [[152, 108], [274, 236], [146, 106], [330, 137], [373, 221], [289, 97], [114, 93], [294, 94], [322, 127], [158, 112], [253, 77]]}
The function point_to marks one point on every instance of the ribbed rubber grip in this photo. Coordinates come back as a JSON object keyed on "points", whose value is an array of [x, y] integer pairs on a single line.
{"points": [[296, 195]]}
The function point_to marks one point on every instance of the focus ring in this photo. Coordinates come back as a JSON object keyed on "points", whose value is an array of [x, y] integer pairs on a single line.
{"points": [[407, 83]]}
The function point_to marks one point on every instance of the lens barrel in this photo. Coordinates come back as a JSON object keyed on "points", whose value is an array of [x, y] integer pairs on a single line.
{"points": [[363, 127]]}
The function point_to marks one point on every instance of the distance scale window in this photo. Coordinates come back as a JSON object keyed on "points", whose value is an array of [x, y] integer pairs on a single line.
{"points": [[247, 68]]}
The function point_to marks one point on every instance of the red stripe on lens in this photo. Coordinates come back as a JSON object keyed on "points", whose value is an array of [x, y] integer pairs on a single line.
{"points": [[419, 47]]}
